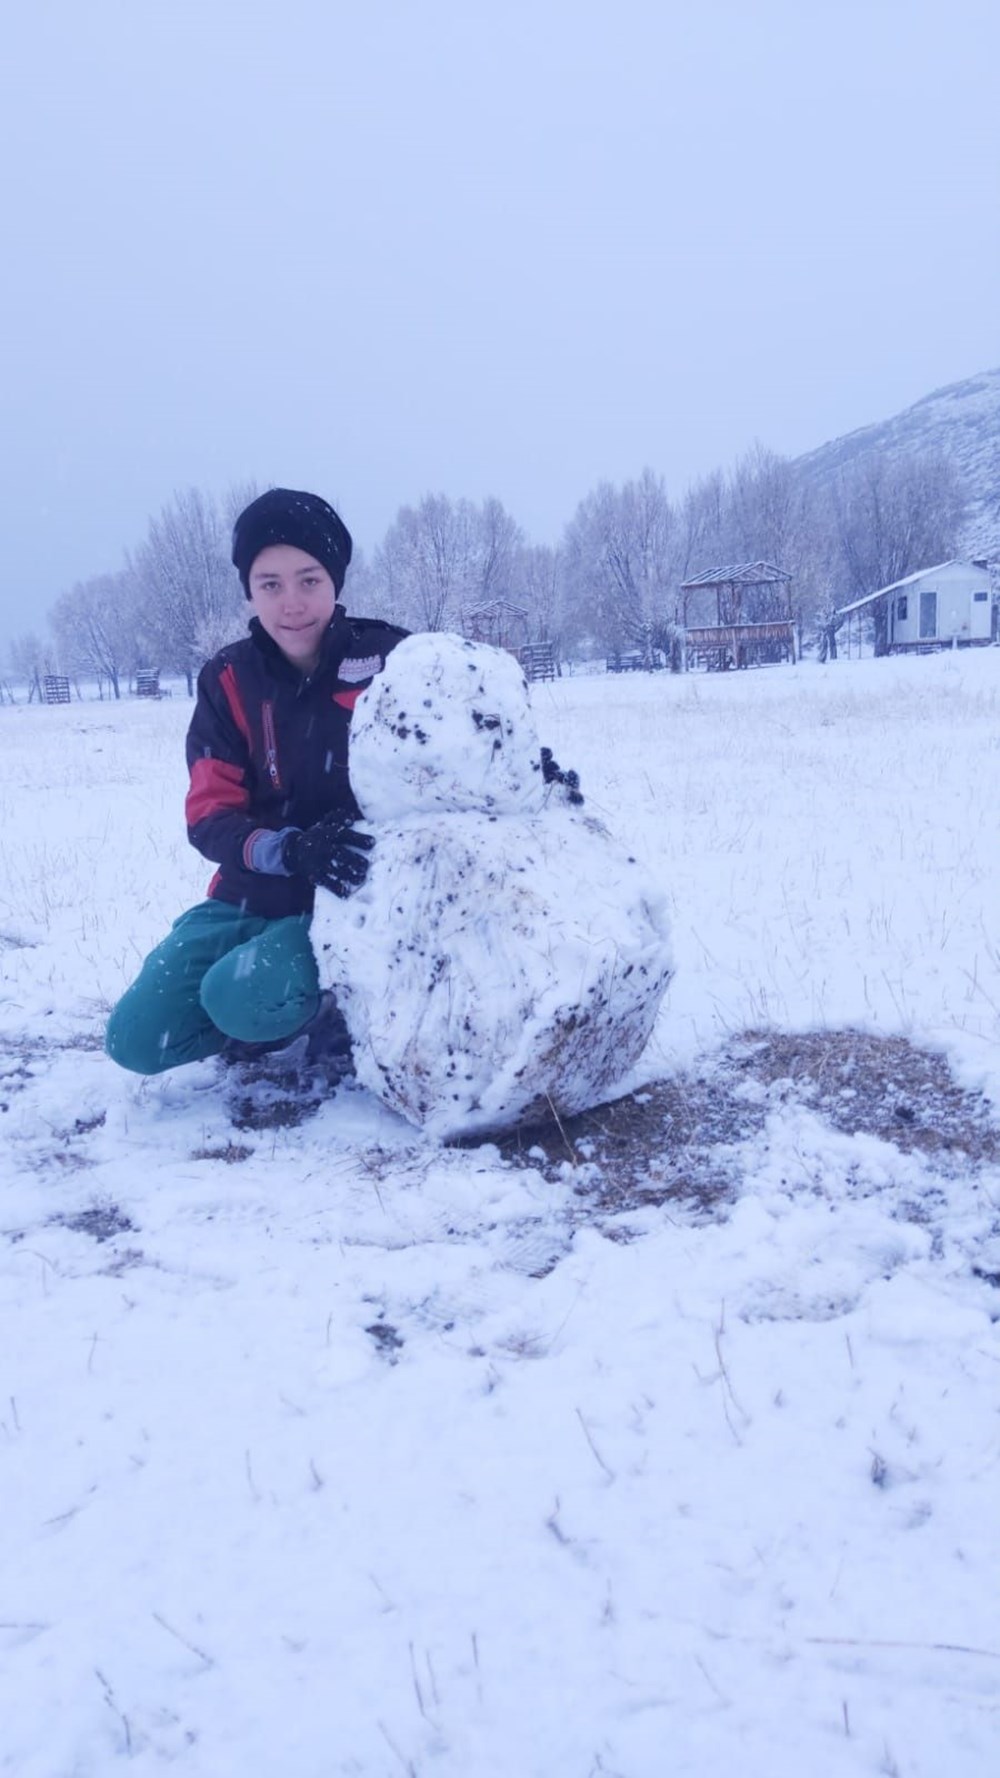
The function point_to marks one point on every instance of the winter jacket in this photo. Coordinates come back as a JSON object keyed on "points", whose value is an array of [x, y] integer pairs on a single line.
{"points": [[267, 750]]}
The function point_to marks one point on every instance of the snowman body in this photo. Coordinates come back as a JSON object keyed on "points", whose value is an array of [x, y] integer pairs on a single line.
{"points": [[505, 959]]}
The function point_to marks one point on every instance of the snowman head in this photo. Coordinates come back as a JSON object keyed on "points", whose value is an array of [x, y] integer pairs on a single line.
{"points": [[446, 726]]}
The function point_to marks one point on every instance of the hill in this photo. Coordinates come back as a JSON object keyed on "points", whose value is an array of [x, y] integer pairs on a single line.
{"points": [[963, 421]]}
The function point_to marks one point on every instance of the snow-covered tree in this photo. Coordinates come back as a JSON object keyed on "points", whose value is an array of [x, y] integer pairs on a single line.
{"points": [[96, 626], [537, 584], [422, 563], [890, 517], [30, 656], [443, 557], [704, 529], [497, 538], [185, 584], [620, 555]]}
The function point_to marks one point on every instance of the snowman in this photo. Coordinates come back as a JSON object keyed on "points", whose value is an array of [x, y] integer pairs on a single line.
{"points": [[505, 959]]}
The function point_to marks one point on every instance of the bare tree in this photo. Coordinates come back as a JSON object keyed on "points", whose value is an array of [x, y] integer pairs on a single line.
{"points": [[30, 657], [703, 533], [496, 540], [620, 561], [364, 592], [892, 516], [537, 583], [443, 556], [765, 502], [237, 496], [421, 563], [189, 592], [96, 628], [776, 516]]}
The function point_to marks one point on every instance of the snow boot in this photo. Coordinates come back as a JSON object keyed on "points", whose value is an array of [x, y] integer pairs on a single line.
{"points": [[328, 1041], [322, 1042]]}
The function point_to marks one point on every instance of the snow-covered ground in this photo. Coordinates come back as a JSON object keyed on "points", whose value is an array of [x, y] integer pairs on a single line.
{"points": [[327, 1451]]}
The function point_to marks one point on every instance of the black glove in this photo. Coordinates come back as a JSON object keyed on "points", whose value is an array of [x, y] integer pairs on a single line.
{"points": [[330, 854], [552, 773]]}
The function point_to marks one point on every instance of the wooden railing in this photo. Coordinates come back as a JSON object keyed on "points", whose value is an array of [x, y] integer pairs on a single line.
{"points": [[738, 645]]}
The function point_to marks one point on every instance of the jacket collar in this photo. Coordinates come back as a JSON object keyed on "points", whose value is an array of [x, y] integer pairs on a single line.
{"points": [[331, 652]]}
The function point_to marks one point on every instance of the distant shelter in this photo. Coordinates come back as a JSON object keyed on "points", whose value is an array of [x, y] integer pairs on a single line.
{"points": [[498, 622], [505, 625], [751, 604], [948, 606]]}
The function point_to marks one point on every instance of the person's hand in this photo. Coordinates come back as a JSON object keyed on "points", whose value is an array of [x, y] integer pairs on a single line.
{"points": [[330, 854], [552, 773]]}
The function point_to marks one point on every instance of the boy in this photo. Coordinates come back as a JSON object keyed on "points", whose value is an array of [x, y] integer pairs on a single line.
{"points": [[269, 800]]}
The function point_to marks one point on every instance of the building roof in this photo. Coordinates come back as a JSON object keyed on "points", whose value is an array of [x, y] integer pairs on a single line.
{"points": [[908, 580], [738, 574]]}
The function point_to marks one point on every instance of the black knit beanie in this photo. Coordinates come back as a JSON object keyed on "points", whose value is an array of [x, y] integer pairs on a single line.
{"points": [[303, 520]]}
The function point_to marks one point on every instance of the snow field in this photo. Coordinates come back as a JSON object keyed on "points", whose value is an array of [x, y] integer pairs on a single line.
{"points": [[707, 1495], [826, 837]]}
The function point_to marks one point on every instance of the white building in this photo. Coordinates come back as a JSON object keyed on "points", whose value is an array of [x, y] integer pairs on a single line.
{"points": [[934, 608]]}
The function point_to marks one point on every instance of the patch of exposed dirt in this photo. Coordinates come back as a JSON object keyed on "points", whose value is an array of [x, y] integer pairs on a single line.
{"points": [[230, 1152], [83, 1126], [101, 1221], [676, 1139], [14, 1077], [388, 1339], [19, 1059], [275, 1099], [278, 1091], [879, 1086]]}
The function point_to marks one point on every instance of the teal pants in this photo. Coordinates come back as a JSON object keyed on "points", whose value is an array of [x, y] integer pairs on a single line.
{"points": [[219, 973]]}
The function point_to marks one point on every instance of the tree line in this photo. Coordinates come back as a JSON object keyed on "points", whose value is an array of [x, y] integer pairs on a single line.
{"points": [[613, 582]]}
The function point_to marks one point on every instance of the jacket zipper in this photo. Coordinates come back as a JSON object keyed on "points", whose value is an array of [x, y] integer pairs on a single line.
{"points": [[270, 745]]}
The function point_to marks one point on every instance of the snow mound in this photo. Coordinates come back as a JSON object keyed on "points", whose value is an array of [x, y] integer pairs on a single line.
{"points": [[479, 990], [446, 726], [505, 957]]}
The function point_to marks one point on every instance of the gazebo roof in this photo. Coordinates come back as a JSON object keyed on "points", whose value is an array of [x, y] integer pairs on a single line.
{"points": [[738, 574], [492, 607]]}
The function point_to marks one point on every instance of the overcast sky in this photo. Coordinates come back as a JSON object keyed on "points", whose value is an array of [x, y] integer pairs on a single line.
{"points": [[511, 247]]}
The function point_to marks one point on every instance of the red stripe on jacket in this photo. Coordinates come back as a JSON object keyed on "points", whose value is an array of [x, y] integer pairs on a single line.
{"points": [[231, 687], [215, 786]]}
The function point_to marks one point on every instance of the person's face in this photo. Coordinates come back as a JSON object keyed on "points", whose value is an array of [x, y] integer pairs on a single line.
{"points": [[294, 598]]}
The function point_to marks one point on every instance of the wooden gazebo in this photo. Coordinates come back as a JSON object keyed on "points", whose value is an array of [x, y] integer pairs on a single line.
{"points": [[505, 625], [497, 621], [749, 628]]}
